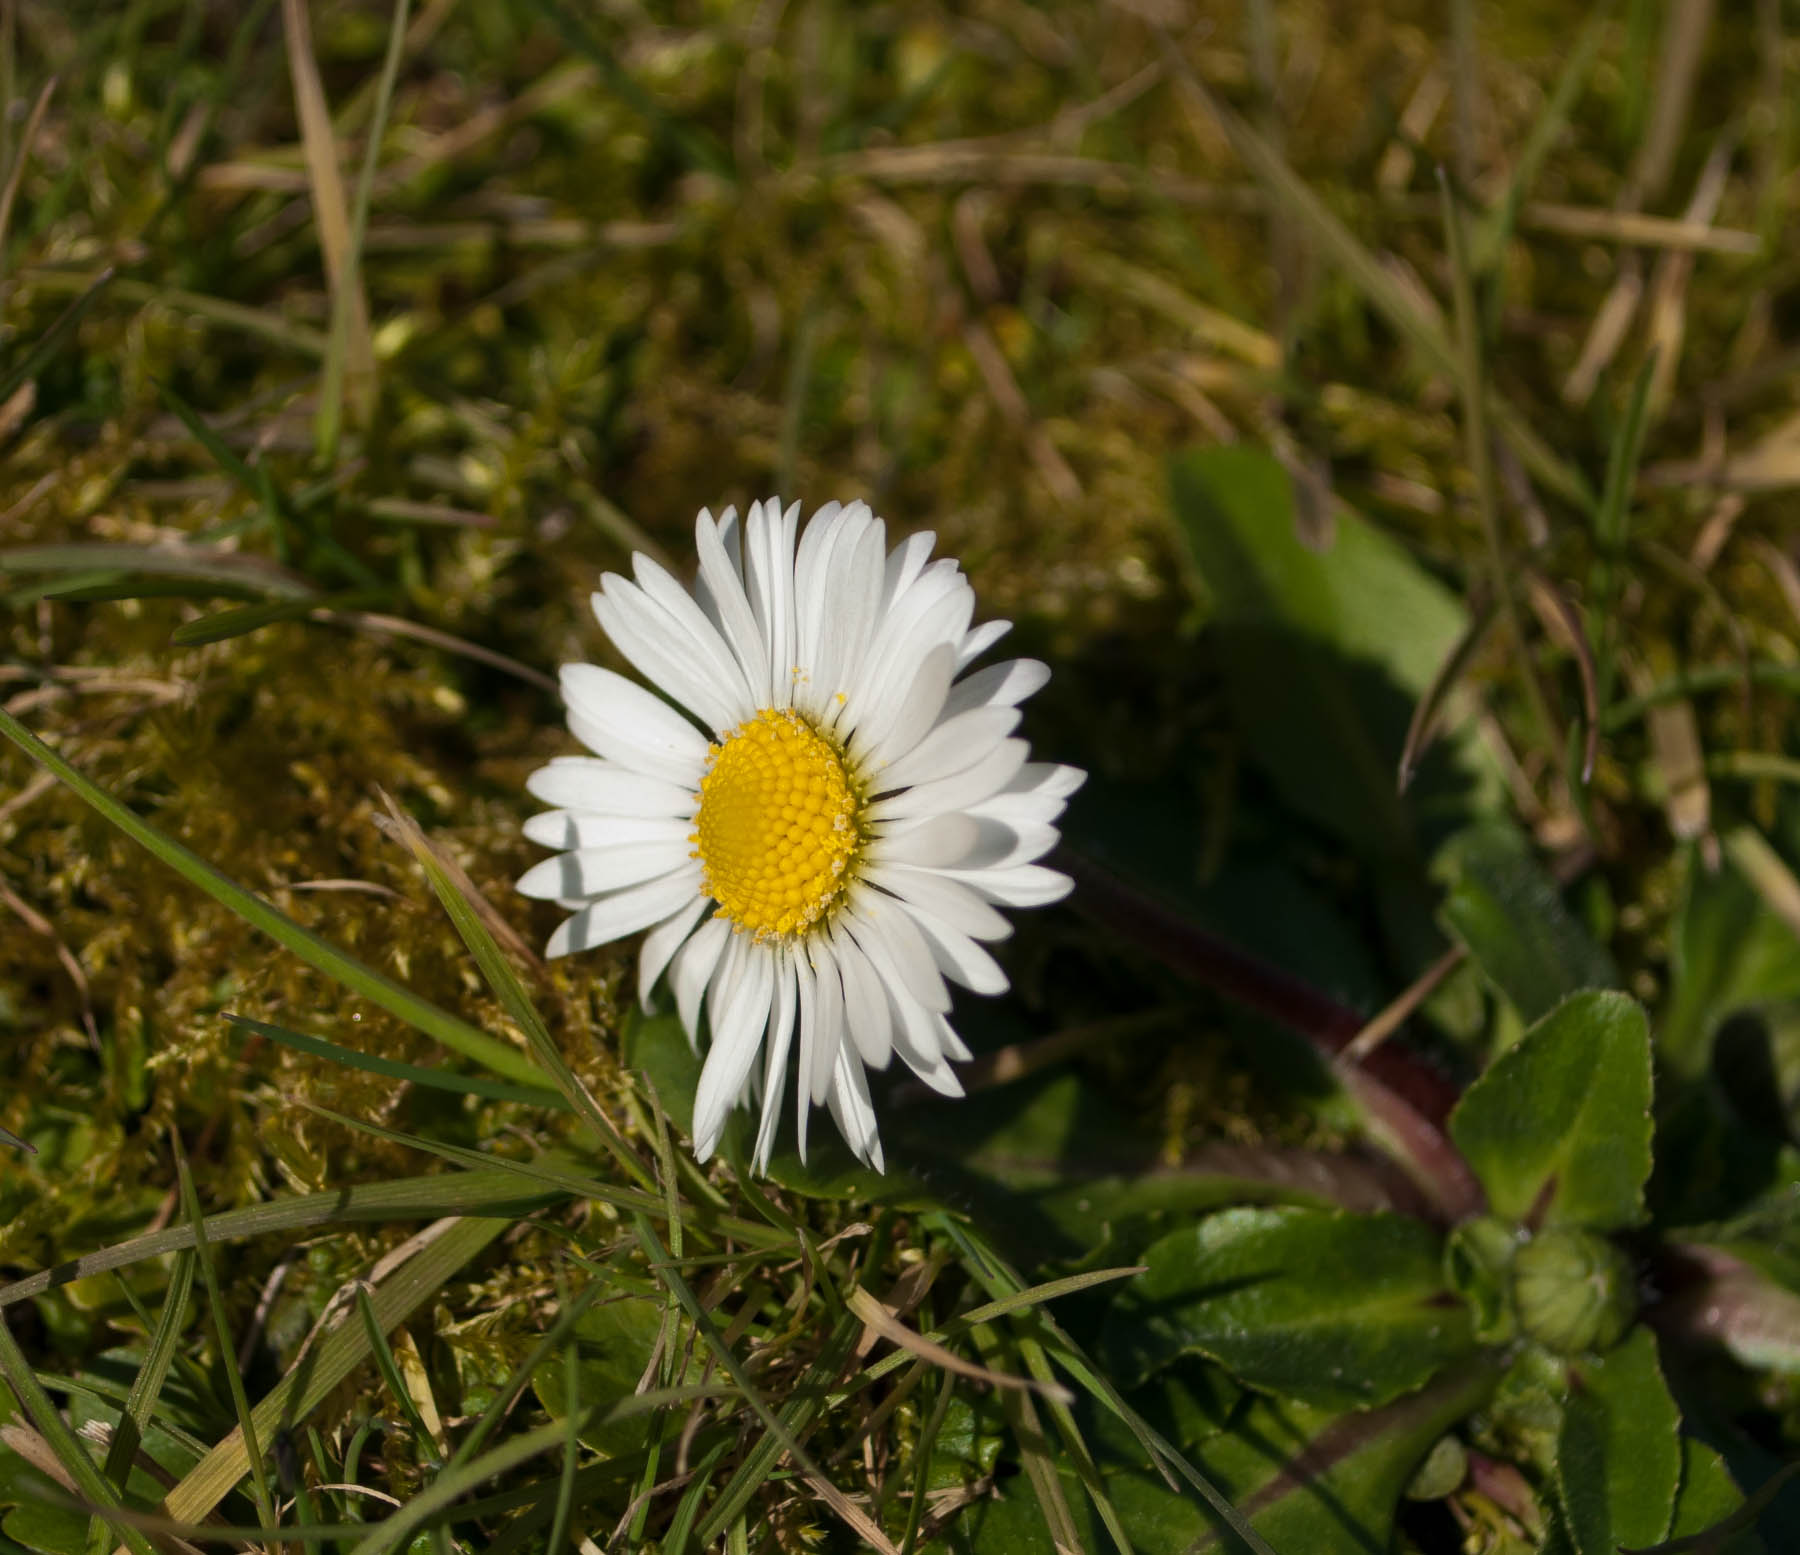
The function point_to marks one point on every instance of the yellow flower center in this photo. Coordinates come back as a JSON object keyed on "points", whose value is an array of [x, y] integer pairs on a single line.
{"points": [[778, 824]]}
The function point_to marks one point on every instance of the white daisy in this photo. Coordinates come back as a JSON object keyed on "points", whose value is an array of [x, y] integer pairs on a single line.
{"points": [[823, 861]]}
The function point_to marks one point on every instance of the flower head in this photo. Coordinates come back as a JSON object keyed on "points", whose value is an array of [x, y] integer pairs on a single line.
{"points": [[819, 865]]}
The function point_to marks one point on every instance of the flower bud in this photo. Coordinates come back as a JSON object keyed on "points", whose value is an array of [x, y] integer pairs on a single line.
{"points": [[1573, 1291]]}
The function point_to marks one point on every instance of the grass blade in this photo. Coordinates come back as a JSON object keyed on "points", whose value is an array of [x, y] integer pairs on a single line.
{"points": [[330, 1362], [491, 1191], [847, 1510], [234, 1379], [392, 1069], [146, 1387], [347, 294], [1612, 520], [1386, 295], [35, 1406], [456, 1034], [460, 899], [51, 341], [319, 144]]}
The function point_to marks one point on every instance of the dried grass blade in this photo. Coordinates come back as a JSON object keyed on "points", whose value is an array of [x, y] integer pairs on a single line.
{"points": [[329, 210], [330, 1362], [883, 1322], [347, 292], [1385, 293]]}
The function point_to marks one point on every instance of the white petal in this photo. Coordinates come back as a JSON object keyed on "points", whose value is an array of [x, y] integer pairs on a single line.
{"points": [[775, 1065], [953, 746], [958, 956], [605, 788], [933, 611], [919, 1042], [1003, 844], [690, 973], [618, 719], [956, 792], [661, 943], [806, 985], [815, 1070], [625, 912], [566, 830], [684, 656], [978, 641], [1024, 885], [999, 685], [849, 1101], [906, 564], [942, 896], [769, 581], [722, 588], [838, 612], [888, 735], [931, 842], [884, 928], [589, 871], [743, 987], [868, 1021]]}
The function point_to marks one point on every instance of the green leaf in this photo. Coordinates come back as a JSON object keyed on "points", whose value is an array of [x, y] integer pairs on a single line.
{"points": [[1506, 909], [1558, 1129], [1709, 1497], [1618, 1455], [1728, 952], [1332, 1310], [613, 1344], [1320, 653]]}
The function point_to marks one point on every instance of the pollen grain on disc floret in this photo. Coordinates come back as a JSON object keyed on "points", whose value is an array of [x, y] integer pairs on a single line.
{"points": [[778, 826]]}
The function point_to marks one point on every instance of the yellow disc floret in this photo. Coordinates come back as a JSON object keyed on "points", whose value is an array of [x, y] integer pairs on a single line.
{"points": [[778, 825]]}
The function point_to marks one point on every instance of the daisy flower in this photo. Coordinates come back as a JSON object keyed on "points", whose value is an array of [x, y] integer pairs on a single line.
{"points": [[817, 843]]}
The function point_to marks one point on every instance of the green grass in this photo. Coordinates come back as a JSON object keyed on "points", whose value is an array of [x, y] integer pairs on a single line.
{"points": [[300, 507]]}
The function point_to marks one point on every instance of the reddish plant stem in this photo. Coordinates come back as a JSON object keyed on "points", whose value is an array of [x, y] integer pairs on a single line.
{"points": [[1403, 1101]]}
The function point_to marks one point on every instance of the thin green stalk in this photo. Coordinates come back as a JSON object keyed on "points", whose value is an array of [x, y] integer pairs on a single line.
{"points": [[1481, 465], [234, 1380]]}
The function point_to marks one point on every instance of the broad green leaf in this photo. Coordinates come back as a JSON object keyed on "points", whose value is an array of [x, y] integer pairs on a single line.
{"points": [[1709, 1497], [1728, 952], [1323, 655], [613, 1344], [1310, 1481], [1335, 1311], [1558, 1129], [1618, 1455], [1506, 909]]}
